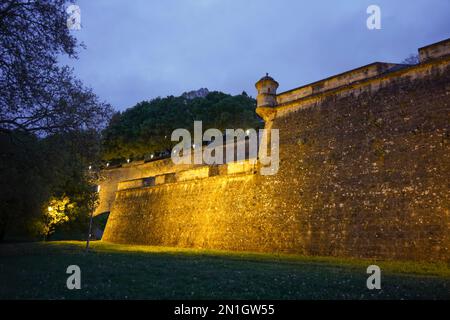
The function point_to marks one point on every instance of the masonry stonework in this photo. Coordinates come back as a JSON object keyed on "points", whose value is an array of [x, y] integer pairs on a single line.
{"points": [[364, 172]]}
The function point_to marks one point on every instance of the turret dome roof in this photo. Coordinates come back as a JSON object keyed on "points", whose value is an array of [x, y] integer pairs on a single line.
{"points": [[267, 77]]}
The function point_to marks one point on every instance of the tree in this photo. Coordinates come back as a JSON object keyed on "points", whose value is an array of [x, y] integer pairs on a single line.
{"points": [[35, 172], [25, 182], [39, 95], [411, 59], [73, 157], [49, 121], [58, 211], [146, 128]]}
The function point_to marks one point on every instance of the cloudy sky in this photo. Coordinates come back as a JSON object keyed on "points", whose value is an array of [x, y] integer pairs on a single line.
{"points": [[140, 49]]}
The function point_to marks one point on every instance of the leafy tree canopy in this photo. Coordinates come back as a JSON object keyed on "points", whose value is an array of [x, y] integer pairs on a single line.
{"points": [[146, 128]]}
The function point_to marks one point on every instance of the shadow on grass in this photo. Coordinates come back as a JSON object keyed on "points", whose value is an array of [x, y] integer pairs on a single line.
{"points": [[440, 269], [114, 271]]}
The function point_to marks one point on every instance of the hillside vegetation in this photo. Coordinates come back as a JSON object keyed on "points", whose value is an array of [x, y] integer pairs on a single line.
{"points": [[146, 128]]}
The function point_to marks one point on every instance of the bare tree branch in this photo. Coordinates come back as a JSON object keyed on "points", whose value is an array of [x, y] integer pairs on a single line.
{"points": [[38, 95]]}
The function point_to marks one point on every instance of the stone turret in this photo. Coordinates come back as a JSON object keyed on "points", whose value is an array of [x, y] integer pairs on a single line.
{"points": [[267, 96], [267, 92]]}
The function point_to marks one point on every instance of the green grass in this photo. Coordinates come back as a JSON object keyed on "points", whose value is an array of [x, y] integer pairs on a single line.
{"points": [[111, 271]]}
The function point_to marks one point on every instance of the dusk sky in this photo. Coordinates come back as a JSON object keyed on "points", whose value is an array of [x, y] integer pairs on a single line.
{"points": [[140, 49]]}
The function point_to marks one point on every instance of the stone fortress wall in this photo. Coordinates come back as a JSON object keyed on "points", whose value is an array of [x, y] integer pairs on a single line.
{"points": [[149, 173], [111, 178], [364, 172]]}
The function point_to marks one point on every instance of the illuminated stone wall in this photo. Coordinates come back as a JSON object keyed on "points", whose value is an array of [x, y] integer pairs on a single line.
{"points": [[130, 174], [362, 174], [112, 178], [369, 175]]}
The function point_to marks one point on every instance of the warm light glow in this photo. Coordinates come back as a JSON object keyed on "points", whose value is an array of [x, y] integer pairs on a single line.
{"points": [[57, 213], [207, 229]]}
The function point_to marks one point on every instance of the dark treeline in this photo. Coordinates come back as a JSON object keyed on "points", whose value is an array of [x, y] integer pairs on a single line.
{"points": [[38, 174]]}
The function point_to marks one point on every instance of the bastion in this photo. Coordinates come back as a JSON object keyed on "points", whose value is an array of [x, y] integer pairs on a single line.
{"points": [[364, 171]]}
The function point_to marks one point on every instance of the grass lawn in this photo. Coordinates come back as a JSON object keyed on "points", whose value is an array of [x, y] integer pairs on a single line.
{"points": [[111, 271]]}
